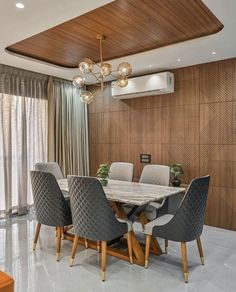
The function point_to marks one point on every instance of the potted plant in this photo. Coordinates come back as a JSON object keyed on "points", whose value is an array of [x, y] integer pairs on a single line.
{"points": [[103, 173], [176, 171]]}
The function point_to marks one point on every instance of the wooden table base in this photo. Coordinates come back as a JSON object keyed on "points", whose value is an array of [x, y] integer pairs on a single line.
{"points": [[137, 247]]}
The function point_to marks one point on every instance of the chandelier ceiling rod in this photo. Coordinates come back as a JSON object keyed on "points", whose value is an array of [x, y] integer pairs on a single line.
{"points": [[101, 38]]}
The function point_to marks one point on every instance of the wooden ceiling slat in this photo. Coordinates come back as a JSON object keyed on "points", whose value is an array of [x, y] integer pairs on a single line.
{"points": [[131, 26]]}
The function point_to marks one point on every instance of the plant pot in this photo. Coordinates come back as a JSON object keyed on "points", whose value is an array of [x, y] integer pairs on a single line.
{"points": [[104, 182], [176, 182]]}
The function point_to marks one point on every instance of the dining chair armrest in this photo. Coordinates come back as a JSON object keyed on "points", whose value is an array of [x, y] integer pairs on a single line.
{"points": [[129, 223]]}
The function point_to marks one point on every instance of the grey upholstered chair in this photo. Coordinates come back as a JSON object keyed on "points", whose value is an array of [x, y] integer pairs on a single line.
{"points": [[93, 217], [186, 225], [158, 175], [121, 171], [50, 206], [52, 167]]}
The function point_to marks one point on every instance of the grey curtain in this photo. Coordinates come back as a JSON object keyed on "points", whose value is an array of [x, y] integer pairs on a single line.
{"points": [[23, 134], [67, 128]]}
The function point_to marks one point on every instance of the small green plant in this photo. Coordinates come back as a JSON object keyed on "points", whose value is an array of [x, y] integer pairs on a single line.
{"points": [[103, 173], [176, 170]]}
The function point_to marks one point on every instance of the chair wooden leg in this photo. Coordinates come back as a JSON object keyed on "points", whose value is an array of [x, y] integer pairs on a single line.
{"points": [[86, 243], [104, 258], [58, 243], [98, 246], [74, 249], [185, 261], [130, 250], [62, 233], [166, 245], [147, 249], [36, 236], [199, 245]]}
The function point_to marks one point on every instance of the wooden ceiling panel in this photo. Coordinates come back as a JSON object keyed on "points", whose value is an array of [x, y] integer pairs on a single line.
{"points": [[130, 26]]}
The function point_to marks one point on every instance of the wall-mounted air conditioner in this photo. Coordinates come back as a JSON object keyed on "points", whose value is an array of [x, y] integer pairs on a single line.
{"points": [[153, 84]]}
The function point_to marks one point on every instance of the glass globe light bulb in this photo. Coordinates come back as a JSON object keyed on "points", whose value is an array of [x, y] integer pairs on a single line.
{"points": [[122, 82], [106, 69], [124, 69], [78, 81], [86, 97], [86, 66]]}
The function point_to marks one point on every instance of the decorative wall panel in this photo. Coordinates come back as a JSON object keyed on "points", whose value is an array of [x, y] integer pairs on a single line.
{"points": [[195, 126]]}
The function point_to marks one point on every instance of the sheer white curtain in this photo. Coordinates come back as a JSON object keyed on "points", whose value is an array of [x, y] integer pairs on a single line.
{"points": [[23, 135]]}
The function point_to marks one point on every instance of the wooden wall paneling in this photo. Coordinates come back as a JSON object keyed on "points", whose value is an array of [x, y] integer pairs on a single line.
{"points": [[186, 93], [96, 128], [117, 127], [187, 155], [106, 103], [216, 125], [122, 152], [221, 205], [220, 162], [218, 81], [145, 126], [145, 103], [180, 124], [234, 121], [187, 73], [105, 152], [97, 106], [97, 154], [195, 126], [111, 104]]}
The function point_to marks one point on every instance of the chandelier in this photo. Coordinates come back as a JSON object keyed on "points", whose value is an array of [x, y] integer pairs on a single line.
{"points": [[100, 71]]}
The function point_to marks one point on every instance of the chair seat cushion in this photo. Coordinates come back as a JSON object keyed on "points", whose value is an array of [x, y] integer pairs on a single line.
{"points": [[129, 223], [6, 283], [150, 212], [157, 222], [156, 205]]}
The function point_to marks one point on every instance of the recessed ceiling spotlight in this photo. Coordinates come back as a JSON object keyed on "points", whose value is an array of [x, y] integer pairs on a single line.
{"points": [[150, 66], [213, 53], [179, 60], [20, 5]]}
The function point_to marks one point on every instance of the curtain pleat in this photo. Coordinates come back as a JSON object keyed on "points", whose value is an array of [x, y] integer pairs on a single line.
{"points": [[68, 128], [23, 135]]}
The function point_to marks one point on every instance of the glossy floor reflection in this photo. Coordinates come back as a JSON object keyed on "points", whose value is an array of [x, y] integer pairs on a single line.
{"points": [[39, 272]]}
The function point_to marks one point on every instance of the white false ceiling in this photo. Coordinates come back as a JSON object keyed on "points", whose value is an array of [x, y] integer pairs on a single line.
{"points": [[37, 16]]}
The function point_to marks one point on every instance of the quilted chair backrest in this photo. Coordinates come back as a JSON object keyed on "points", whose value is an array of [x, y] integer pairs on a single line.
{"points": [[187, 224], [52, 167], [50, 206], [121, 171], [155, 174], [93, 218]]}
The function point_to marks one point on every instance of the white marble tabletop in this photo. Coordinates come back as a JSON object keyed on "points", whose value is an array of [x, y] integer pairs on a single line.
{"points": [[131, 192]]}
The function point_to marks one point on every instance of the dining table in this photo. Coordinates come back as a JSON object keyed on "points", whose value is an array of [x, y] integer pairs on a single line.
{"points": [[135, 194]]}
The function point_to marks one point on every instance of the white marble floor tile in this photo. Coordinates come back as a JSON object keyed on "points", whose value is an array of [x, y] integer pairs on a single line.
{"points": [[39, 272]]}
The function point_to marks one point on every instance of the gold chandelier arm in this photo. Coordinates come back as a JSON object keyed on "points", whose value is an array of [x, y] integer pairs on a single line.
{"points": [[94, 75]]}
